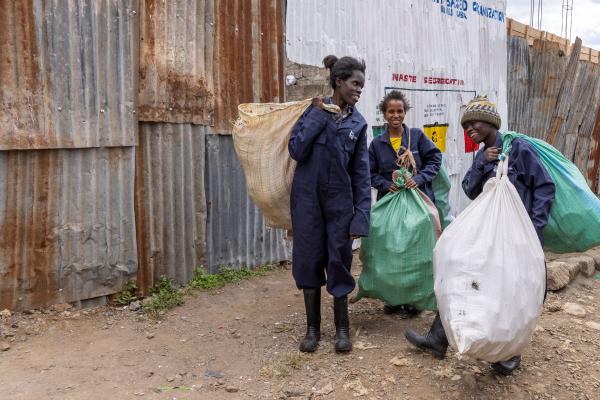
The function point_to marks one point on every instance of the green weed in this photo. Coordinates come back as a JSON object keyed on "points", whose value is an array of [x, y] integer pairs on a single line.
{"points": [[204, 280], [163, 296], [127, 295]]}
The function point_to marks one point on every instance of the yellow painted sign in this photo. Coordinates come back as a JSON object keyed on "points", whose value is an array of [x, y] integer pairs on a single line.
{"points": [[437, 134]]}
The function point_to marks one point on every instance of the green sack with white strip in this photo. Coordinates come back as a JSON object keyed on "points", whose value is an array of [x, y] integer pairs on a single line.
{"points": [[574, 223]]}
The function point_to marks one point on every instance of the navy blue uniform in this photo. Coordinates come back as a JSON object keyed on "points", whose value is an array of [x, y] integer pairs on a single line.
{"points": [[525, 171], [330, 199], [383, 157]]}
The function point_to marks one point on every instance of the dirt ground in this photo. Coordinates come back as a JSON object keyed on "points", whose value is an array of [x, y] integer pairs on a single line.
{"points": [[241, 343]]}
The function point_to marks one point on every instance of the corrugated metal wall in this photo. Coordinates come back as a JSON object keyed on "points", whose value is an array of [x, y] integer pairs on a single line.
{"points": [[236, 231], [67, 73], [556, 97], [249, 56], [198, 61], [67, 223], [176, 61], [80, 215], [170, 201], [68, 124]]}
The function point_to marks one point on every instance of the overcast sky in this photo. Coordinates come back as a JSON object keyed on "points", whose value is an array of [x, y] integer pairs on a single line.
{"points": [[586, 18]]}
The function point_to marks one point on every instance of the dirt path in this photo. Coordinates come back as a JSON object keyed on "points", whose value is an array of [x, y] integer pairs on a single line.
{"points": [[241, 343]]}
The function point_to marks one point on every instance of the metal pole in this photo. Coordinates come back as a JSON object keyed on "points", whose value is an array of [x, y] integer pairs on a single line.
{"points": [[571, 27]]}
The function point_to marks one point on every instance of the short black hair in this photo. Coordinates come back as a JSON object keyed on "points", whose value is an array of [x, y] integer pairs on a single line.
{"points": [[394, 95], [342, 68]]}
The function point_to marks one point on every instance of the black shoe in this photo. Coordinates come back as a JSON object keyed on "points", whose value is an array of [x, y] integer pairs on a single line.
{"points": [[312, 304], [343, 344], [390, 309], [434, 342], [507, 367]]}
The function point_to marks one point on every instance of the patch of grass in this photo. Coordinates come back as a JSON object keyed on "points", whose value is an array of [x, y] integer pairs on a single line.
{"points": [[163, 296], [226, 275], [285, 367], [272, 371], [127, 295], [295, 360]]}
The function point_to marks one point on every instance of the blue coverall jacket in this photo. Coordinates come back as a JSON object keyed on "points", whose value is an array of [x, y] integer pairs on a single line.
{"points": [[330, 199], [525, 171], [382, 161]]}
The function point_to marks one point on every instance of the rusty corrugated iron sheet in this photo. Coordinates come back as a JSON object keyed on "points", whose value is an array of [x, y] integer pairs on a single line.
{"points": [[170, 201], [67, 223], [176, 61], [236, 233], [200, 59], [249, 56], [68, 73]]}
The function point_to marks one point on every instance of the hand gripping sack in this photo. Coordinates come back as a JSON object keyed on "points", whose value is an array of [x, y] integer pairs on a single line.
{"points": [[260, 138], [490, 274], [397, 254], [574, 223]]}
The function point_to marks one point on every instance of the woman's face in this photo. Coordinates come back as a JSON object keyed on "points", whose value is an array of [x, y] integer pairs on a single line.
{"points": [[394, 113], [350, 89]]}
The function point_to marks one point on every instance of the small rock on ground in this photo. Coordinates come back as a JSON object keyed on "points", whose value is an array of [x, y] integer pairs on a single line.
{"points": [[593, 325], [135, 306], [574, 309], [558, 275], [325, 390]]}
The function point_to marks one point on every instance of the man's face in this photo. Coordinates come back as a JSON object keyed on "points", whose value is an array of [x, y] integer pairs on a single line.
{"points": [[479, 131]]}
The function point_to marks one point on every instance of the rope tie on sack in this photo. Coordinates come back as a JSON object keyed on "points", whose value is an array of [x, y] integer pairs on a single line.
{"points": [[406, 158]]}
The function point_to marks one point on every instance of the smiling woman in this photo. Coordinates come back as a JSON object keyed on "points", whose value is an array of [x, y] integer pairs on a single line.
{"points": [[331, 197]]}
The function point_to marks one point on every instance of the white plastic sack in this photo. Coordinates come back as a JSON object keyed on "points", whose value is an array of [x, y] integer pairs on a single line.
{"points": [[490, 275]]}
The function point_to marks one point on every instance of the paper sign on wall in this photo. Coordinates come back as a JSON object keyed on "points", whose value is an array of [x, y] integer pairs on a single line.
{"points": [[437, 134]]}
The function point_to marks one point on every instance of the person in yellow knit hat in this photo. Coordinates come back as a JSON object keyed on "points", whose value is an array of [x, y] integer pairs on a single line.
{"points": [[383, 156]]}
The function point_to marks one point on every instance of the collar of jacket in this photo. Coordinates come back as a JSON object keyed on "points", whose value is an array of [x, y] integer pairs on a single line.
{"points": [[497, 143], [351, 110], [385, 137]]}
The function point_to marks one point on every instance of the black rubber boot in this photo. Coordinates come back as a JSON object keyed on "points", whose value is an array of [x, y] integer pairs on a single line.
{"points": [[434, 342], [507, 367], [312, 304], [343, 344]]}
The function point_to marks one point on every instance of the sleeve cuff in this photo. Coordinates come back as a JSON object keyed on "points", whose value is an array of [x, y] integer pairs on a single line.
{"points": [[359, 225], [418, 180]]}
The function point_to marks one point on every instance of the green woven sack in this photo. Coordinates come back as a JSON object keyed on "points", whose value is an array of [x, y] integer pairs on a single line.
{"points": [[574, 223], [397, 255]]}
